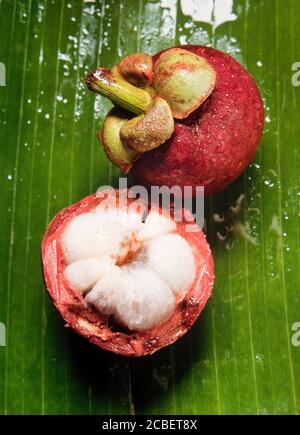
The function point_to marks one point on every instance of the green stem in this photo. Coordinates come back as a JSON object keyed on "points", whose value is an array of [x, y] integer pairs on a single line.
{"points": [[104, 82]]}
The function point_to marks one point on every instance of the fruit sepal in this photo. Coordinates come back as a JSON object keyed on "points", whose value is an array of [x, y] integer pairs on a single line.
{"points": [[174, 87]]}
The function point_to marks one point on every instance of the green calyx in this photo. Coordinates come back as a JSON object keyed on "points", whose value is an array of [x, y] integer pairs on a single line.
{"points": [[117, 152], [184, 79], [150, 130], [136, 68], [152, 97]]}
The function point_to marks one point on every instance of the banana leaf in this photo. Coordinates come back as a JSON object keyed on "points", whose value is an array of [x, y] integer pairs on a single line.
{"points": [[242, 356]]}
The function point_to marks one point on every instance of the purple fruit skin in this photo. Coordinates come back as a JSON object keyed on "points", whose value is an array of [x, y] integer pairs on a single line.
{"points": [[215, 144]]}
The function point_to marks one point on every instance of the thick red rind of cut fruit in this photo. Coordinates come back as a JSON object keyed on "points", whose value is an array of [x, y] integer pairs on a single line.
{"points": [[94, 326], [215, 144]]}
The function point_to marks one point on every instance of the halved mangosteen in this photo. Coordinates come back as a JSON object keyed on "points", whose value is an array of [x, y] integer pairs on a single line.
{"points": [[125, 276]]}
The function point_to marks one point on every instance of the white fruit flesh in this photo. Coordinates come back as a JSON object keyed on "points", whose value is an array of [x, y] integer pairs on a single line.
{"points": [[134, 282], [169, 255]]}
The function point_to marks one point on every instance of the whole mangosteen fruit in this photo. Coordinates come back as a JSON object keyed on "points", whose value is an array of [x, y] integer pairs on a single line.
{"points": [[188, 116]]}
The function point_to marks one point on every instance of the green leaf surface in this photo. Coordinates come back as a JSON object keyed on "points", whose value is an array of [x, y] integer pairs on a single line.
{"points": [[239, 356]]}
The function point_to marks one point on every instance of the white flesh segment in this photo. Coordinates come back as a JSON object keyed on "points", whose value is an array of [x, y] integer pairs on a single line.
{"points": [[144, 300], [155, 225], [171, 257], [105, 294], [87, 237], [82, 275], [129, 221]]}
